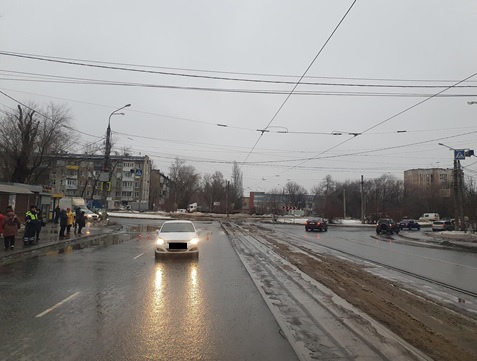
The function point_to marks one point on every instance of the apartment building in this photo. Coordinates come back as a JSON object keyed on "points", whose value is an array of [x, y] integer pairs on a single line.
{"points": [[78, 175]]}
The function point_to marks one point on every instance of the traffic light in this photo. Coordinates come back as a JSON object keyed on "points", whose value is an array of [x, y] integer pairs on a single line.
{"points": [[108, 186], [469, 153]]}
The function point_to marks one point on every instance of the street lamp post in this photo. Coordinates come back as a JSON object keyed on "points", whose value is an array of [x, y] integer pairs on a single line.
{"points": [[106, 177], [459, 183]]}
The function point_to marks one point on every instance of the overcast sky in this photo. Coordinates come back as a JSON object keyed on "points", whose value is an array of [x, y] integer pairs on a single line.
{"points": [[181, 64]]}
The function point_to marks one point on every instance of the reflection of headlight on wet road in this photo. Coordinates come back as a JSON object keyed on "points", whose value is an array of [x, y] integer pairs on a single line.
{"points": [[160, 242], [194, 241]]}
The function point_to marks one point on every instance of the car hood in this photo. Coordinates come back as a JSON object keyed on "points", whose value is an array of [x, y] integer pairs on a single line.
{"points": [[177, 236]]}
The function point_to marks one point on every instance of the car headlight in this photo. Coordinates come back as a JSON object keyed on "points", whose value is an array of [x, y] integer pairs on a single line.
{"points": [[160, 242], [194, 241]]}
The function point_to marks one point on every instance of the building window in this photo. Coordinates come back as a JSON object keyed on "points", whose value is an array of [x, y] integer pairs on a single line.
{"points": [[126, 194], [127, 184]]}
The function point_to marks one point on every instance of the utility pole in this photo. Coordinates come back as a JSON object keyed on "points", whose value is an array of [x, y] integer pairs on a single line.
{"points": [[227, 198], [362, 198], [105, 177], [458, 184], [344, 203], [459, 195]]}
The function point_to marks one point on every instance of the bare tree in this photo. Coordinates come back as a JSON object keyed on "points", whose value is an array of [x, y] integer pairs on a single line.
{"points": [[29, 139], [328, 200], [236, 193], [185, 182], [213, 189], [296, 194]]}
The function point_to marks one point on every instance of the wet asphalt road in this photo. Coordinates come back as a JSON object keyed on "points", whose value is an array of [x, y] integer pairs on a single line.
{"points": [[118, 303], [457, 268]]}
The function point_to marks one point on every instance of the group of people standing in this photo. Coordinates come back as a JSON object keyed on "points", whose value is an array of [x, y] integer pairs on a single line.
{"points": [[67, 219], [10, 225]]}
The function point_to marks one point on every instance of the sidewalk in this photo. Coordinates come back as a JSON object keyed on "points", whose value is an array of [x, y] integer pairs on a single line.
{"points": [[93, 234]]}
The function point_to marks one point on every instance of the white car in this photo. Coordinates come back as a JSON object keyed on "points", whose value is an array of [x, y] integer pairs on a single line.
{"points": [[90, 216], [177, 237]]}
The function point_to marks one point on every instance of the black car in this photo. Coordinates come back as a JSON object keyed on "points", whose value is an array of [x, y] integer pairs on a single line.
{"points": [[409, 224], [387, 225], [316, 223]]}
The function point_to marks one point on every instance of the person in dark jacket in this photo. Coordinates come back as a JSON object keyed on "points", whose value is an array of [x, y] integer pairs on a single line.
{"points": [[39, 224], [31, 226], [80, 221], [63, 221], [57, 214], [11, 225]]}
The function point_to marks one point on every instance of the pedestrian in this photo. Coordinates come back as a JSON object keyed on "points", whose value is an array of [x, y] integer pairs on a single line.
{"points": [[39, 224], [77, 213], [71, 219], [63, 221], [11, 225], [80, 221], [31, 224], [2, 218], [57, 213]]}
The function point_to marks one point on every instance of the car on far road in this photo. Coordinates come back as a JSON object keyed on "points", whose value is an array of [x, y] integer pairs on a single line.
{"points": [[89, 215], [409, 224], [442, 226], [316, 223], [387, 225], [177, 237]]}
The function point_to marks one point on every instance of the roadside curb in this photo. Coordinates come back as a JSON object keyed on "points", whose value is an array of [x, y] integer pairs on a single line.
{"points": [[62, 246]]}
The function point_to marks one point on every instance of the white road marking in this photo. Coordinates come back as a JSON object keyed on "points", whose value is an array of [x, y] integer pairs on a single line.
{"points": [[57, 305], [139, 255]]}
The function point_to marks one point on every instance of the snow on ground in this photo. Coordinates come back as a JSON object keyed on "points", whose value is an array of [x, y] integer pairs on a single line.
{"points": [[161, 215]]}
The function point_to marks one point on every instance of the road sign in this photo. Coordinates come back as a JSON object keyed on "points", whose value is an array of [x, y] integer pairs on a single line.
{"points": [[138, 172], [289, 208], [459, 154]]}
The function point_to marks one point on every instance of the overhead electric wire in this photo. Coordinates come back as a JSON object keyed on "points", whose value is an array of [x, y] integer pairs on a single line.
{"points": [[382, 122], [86, 81], [23, 74], [299, 80], [252, 91]]}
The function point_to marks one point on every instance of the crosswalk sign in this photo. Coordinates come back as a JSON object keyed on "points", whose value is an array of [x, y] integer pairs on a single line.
{"points": [[459, 154]]}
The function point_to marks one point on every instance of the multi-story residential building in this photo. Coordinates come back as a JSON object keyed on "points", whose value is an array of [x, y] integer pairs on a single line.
{"points": [[78, 175], [160, 191], [437, 180]]}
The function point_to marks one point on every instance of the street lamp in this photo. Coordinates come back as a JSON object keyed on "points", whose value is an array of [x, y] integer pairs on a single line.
{"points": [[458, 184], [107, 159]]}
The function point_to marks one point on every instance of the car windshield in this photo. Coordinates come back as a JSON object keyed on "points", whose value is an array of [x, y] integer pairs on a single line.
{"points": [[177, 227]]}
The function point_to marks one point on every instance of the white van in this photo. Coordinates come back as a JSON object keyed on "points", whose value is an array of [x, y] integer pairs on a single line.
{"points": [[429, 217]]}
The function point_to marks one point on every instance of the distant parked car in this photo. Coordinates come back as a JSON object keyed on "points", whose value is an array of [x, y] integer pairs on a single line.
{"points": [[409, 224], [316, 223], [387, 225], [442, 226], [429, 217]]}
